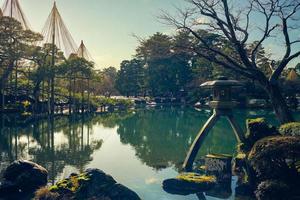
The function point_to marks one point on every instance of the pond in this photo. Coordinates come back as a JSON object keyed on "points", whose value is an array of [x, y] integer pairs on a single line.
{"points": [[139, 149]]}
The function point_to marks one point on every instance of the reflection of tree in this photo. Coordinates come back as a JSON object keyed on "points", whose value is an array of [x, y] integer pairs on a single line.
{"points": [[162, 138], [43, 146], [111, 120]]}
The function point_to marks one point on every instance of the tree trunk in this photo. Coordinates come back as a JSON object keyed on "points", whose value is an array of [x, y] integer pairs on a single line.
{"points": [[36, 95], [279, 104]]}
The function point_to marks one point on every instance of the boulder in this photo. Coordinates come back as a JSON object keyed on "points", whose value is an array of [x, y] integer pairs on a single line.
{"points": [[189, 183], [256, 130], [92, 184], [273, 190], [23, 177], [276, 158], [219, 165]]}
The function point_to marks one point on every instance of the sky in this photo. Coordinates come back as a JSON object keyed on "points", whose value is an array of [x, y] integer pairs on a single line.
{"points": [[106, 26]]}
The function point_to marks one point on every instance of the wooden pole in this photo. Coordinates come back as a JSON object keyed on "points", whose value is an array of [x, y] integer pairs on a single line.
{"points": [[53, 61]]}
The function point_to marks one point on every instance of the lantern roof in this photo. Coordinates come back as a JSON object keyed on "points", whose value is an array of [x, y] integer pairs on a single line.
{"points": [[222, 81]]}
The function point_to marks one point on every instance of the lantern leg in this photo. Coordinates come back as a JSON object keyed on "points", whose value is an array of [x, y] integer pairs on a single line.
{"points": [[191, 156], [236, 128]]}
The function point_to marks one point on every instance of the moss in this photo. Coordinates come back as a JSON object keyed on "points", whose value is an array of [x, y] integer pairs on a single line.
{"points": [[71, 184], [196, 178], [276, 158], [241, 156], [290, 129]]}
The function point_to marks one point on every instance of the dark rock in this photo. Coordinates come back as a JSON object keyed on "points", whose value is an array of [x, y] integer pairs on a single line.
{"points": [[188, 183], [244, 189], [219, 165], [272, 190], [256, 130], [220, 191], [92, 184], [120, 192], [24, 176]]}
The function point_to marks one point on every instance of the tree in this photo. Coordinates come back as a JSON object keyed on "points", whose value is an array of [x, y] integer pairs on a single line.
{"points": [[130, 78], [15, 44], [108, 81], [43, 70], [78, 71], [167, 67], [233, 20]]}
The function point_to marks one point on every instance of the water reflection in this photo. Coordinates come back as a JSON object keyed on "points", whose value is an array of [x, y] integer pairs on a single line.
{"points": [[161, 138], [150, 145], [53, 143]]}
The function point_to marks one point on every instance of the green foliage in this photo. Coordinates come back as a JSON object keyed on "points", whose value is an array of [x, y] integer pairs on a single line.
{"points": [[290, 129], [113, 102], [167, 67], [15, 44], [130, 79]]}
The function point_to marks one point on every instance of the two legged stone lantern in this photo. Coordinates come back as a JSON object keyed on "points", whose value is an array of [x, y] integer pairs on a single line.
{"points": [[222, 105]]}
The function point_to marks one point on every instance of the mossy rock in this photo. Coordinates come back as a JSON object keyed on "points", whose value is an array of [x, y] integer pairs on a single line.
{"points": [[92, 184], [257, 129], [71, 184], [276, 158], [189, 183], [290, 129]]}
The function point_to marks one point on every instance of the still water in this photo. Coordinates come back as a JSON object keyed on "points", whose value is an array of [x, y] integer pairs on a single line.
{"points": [[139, 149]]}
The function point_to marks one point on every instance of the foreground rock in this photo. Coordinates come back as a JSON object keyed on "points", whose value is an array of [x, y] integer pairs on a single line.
{"points": [[92, 184], [189, 183], [22, 177]]}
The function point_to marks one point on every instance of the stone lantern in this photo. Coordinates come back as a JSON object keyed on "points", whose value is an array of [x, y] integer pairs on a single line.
{"points": [[222, 105]]}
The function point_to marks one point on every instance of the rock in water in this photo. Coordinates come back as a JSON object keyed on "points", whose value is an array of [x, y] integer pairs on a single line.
{"points": [[92, 184], [22, 177], [219, 165], [189, 183]]}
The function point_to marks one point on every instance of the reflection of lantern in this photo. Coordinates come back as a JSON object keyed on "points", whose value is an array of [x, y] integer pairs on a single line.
{"points": [[222, 104]]}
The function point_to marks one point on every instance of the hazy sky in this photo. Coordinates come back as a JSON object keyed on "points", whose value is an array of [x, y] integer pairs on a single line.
{"points": [[106, 26]]}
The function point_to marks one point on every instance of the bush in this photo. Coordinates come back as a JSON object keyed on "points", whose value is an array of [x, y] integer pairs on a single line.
{"points": [[290, 129]]}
